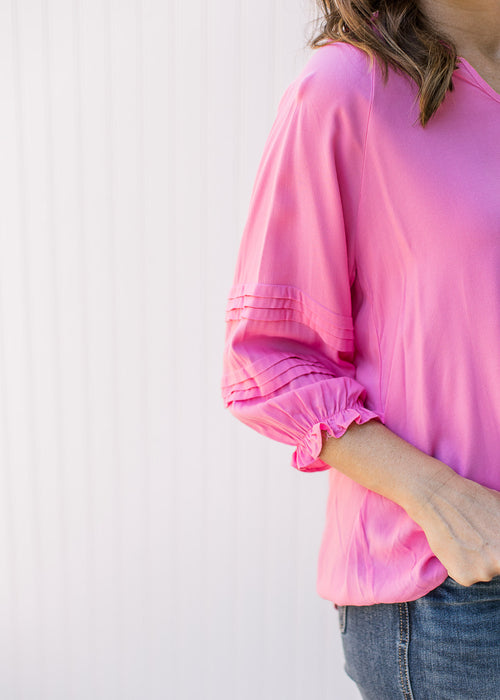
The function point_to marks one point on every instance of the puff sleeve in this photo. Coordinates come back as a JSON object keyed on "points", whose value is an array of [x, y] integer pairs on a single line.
{"points": [[288, 363]]}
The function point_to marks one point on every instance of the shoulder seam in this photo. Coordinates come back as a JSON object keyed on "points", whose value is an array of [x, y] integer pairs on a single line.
{"points": [[356, 219]]}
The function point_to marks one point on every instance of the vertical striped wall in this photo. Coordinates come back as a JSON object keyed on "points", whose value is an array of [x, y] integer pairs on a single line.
{"points": [[151, 547]]}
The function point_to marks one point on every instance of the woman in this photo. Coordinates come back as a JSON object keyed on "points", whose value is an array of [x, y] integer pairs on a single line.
{"points": [[363, 327]]}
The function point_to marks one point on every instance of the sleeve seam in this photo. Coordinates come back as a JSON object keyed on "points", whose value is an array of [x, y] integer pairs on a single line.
{"points": [[362, 178], [363, 162]]}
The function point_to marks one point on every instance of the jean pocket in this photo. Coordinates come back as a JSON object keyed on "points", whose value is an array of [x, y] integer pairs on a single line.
{"points": [[342, 611]]}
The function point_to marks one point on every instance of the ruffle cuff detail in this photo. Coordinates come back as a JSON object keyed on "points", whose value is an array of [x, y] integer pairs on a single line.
{"points": [[305, 457]]}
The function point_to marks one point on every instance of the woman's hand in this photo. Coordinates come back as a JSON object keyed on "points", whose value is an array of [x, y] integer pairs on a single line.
{"points": [[461, 520]]}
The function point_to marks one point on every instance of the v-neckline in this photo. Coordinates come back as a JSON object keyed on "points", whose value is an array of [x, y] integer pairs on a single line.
{"points": [[477, 78]]}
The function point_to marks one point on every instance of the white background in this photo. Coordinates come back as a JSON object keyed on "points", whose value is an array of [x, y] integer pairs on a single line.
{"points": [[151, 546]]}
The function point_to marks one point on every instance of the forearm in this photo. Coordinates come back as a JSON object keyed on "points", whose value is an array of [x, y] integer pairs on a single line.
{"points": [[375, 457]]}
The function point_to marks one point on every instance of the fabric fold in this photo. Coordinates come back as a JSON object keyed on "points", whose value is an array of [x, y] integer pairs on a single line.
{"points": [[289, 354]]}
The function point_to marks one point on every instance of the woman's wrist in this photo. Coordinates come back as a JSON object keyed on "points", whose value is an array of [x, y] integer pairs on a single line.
{"points": [[377, 458], [433, 479]]}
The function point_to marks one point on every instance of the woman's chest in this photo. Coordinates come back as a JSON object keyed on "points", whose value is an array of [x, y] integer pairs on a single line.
{"points": [[431, 197]]}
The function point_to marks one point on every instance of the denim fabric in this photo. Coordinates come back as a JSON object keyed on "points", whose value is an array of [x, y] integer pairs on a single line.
{"points": [[443, 646]]}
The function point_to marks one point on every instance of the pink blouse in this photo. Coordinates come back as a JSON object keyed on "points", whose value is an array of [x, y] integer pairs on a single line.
{"points": [[367, 287]]}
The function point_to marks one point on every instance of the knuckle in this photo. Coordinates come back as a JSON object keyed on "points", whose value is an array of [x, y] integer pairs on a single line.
{"points": [[467, 581], [492, 571], [463, 579]]}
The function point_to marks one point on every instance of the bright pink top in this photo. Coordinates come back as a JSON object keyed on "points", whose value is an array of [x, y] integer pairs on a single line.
{"points": [[367, 286]]}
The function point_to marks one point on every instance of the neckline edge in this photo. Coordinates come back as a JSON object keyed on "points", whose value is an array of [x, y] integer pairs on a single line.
{"points": [[477, 78]]}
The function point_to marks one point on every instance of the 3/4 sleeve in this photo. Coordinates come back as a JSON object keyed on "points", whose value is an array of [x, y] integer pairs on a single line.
{"points": [[288, 364]]}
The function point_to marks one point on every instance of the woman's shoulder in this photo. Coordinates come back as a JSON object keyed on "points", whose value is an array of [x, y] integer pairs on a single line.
{"points": [[336, 75]]}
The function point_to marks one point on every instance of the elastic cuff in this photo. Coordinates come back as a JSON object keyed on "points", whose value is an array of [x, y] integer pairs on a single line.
{"points": [[305, 458]]}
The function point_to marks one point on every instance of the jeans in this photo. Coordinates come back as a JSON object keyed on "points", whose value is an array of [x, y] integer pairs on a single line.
{"points": [[443, 646]]}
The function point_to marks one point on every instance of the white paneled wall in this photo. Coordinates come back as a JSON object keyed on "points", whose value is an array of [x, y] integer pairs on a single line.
{"points": [[150, 545]]}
